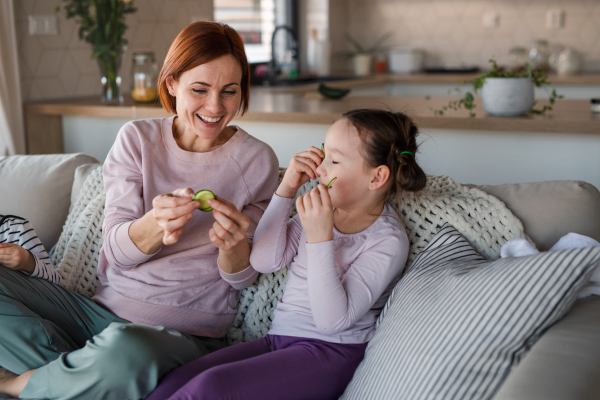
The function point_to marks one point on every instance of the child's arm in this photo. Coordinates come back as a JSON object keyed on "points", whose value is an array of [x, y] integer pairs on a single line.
{"points": [[21, 250], [277, 237], [337, 304]]}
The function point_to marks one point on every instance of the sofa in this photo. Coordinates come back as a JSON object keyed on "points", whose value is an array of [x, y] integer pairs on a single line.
{"points": [[563, 364]]}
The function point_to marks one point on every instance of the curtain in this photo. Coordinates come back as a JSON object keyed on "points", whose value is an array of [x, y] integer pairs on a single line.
{"points": [[12, 132]]}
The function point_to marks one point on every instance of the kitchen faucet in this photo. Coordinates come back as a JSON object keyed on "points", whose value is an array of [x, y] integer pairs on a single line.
{"points": [[275, 68]]}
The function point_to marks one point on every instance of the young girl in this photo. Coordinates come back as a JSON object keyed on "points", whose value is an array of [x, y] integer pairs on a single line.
{"points": [[347, 249]]}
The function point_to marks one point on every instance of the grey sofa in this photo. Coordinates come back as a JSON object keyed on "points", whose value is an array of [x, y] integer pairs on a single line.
{"points": [[563, 364]]}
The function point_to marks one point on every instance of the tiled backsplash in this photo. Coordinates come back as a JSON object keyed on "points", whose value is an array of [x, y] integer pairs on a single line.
{"points": [[60, 66], [452, 31]]}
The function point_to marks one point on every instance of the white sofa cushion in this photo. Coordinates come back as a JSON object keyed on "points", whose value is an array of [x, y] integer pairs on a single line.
{"points": [[456, 324], [38, 187]]}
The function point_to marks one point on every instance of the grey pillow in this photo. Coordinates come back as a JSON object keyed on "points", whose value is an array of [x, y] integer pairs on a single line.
{"points": [[456, 324]]}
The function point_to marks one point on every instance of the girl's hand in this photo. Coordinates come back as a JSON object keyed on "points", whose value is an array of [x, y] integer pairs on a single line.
{"points": [[303, 167], [172, 211], [316, 214], [230, 224], [15, 257]]}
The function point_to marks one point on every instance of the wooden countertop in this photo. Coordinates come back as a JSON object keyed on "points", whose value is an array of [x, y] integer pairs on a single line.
{"points": [[304, 105]]}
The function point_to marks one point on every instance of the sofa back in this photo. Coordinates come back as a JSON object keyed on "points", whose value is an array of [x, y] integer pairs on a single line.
{"points": [[42, 188]]}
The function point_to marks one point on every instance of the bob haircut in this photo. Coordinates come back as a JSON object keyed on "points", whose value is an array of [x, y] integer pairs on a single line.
{"points": [[197, 44]]}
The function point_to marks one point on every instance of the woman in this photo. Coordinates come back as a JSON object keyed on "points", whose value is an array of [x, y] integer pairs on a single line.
{"points": [[170, 275]]}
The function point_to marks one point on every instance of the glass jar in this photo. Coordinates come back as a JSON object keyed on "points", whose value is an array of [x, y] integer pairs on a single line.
{"points": [[539, 54], [144, 74], [517, 57]]}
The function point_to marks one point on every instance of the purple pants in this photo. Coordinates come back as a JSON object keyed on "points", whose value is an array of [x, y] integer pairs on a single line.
{"points": [[274, 367]]}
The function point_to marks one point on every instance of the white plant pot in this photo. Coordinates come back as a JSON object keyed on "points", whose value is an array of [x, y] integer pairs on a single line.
{"points": [[362, 64], [507, 97]]}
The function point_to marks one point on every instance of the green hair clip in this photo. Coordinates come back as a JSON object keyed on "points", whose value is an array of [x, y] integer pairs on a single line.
{"points": [[407, 152]]}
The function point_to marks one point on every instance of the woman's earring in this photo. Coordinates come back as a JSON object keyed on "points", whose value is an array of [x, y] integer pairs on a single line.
{"points": [[370, 186]]}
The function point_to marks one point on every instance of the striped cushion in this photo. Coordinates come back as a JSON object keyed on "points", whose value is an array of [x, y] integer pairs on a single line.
{"points": [[456, 324]]}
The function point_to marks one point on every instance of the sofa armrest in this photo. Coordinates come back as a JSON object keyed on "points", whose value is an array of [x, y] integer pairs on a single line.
{"points": [[564, 363]]}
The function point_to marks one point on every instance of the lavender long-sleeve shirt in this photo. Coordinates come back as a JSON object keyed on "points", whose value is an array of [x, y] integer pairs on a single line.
{"points": [[336, 289], [180, 287]]}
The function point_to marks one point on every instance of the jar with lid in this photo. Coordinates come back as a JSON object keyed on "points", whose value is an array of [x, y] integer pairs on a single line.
{"points": [[144, 74], [517, 57], [539, 54]]}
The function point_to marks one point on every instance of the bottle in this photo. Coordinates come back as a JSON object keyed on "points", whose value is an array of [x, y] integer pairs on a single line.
{"points": [[311, 52], [539, 54], [144, 74]]}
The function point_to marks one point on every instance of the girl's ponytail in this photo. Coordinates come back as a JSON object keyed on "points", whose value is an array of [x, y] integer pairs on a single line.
{"points": [[390, 139]]}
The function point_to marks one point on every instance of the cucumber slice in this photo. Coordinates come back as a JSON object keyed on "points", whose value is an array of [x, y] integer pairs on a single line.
{"points": [[203, 196], [323, 150], [330, 182]]}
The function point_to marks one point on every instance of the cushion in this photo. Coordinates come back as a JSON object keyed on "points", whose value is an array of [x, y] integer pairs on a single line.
{"points": [[550, 210], [38, 187], [81, 174], [456, 324], [564, 363]]}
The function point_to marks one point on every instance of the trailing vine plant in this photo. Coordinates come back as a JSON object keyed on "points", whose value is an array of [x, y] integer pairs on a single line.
{"points": [[539, 77]]}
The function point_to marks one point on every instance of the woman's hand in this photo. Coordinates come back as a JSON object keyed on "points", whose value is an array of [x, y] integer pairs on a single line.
{"points": [[316, 214], [230, 225], [303, 167], [15, 257], [172, 211]]}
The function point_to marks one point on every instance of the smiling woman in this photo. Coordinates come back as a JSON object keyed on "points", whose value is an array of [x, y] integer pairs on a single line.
{"points": [[170, 276]]}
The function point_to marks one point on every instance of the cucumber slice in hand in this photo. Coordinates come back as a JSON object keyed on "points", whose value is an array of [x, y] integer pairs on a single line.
{"points": [[330, 182], [323, 150], [203, 196]]}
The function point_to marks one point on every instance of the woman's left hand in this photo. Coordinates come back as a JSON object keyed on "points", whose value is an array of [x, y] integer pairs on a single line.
{"points": [[230, 224], [316, 214]]}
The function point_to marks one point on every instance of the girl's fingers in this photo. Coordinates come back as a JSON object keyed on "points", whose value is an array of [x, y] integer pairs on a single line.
{"points": [[300, 205], [315, 154], [306, 168], [307, 201], [324, 195], [315, 197]]}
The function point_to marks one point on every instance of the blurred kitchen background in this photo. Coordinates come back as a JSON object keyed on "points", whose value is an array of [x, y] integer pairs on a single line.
{"points": [[441, 33]]}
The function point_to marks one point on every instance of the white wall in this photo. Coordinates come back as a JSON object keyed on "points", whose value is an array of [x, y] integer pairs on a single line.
{"points": [[478, 157]]}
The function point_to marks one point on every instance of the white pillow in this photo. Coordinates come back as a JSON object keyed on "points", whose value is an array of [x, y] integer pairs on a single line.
{"points": [[38, 188], [456, 324]]}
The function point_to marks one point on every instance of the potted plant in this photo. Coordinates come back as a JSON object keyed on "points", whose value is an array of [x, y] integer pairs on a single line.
{"points": [[362, 58], [505, 93], [102, 25]]}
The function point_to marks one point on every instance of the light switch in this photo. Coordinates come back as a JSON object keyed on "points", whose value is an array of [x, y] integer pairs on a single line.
{"points": [[491, 20], [555, 19], [42, 25]]}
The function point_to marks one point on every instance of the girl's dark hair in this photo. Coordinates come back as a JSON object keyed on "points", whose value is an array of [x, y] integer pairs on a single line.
{"points": [[384, 136]]}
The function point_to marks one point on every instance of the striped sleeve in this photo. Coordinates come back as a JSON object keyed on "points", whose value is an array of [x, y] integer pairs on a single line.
{"points": [[19, 231]]}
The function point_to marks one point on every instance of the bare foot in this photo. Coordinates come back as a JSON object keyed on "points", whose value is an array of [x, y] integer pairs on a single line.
{"points": [[12, 384]]}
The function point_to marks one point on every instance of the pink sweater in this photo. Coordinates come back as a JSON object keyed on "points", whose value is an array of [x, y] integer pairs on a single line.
{"points": [[180, 287], [336, 289]]}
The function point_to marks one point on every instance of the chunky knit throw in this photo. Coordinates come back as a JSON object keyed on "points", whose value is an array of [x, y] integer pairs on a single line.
{"points": [[483, 220]]}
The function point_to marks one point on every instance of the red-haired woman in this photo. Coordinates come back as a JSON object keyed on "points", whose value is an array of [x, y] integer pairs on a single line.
{"points": [[170, 274]]}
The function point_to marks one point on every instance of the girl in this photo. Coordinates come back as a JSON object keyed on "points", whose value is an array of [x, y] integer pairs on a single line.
{"points": [[347, 249]]}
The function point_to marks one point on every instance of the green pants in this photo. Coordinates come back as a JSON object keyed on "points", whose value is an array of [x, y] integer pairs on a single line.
{"points": [[79, 349]]}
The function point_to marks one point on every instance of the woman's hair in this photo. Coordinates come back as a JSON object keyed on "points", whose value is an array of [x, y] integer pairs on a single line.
{"points": [[197, 44], [385, 136]]}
